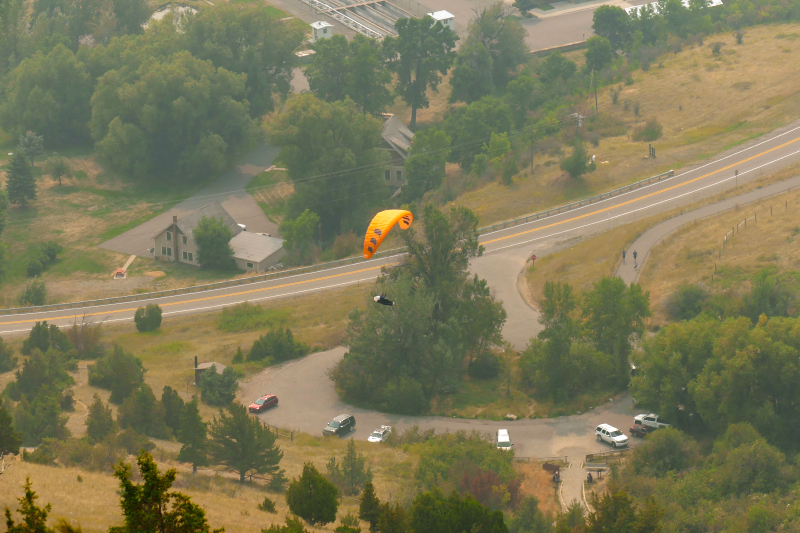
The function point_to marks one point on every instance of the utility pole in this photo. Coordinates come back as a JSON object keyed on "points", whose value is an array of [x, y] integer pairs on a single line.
{"points": [[531, 150]]}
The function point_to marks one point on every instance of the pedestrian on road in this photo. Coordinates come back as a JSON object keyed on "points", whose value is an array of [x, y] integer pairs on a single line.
{"points": [[634, 256], [623, 257]]}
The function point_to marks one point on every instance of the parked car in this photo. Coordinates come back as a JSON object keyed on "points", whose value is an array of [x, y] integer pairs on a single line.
{"points": [[503, 440], [652, 420], [640, 431], [610, 434], [263, 403], [380, 434], [341, 425]]}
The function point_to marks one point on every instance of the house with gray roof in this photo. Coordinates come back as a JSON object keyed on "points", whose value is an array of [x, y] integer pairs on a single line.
{"points": [[397, 139], [254, 252]]}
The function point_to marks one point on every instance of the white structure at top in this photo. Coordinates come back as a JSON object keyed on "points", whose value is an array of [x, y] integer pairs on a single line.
{"points": [[445, 17], [322, 30], [654, 6]]}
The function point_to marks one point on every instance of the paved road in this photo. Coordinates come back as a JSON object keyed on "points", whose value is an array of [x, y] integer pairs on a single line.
{"points": [[229, 190], [506, 250]]}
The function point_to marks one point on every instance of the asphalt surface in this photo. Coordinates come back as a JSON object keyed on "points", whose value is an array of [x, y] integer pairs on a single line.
{"points": [[228, 189], [308, 398]]}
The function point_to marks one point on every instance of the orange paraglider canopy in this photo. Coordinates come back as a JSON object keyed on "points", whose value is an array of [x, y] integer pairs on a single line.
{"points": [[380, 227]]}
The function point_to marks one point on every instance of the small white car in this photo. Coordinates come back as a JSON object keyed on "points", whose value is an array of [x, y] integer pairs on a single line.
{"points": [[503, 440], [380, 434], [652, 420], [611, 435]]}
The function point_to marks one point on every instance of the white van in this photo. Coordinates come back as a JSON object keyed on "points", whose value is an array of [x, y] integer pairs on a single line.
{"points": [[503, 440]]}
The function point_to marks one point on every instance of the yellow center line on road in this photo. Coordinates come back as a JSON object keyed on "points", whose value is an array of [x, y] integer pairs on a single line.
{"points": [[251, 291], [227, 295], [641, 197]]}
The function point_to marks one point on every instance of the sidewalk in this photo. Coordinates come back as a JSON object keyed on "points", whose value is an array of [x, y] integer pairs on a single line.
{"points": [[572, 479]]}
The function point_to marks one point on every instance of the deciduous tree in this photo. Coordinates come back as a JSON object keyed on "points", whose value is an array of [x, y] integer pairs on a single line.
{"points": [[613, 23], [425, 166], [247, 41], [367, 76], [503, 37], [331, 152], [213, 238], [471, 77], [598, 54], [420, 54], [243, 444], [328, 71], [58, 167], [31, 145], [299, 236]]}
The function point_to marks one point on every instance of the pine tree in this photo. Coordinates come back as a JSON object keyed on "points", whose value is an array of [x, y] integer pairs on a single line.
{"points": [[370, 508], [192, 433], [242, 443], [146, 507], [393, 519], [100, 421], [20, 183], [354, 472], [173, 407], [312, 497], [34, 518], [10, 440]]}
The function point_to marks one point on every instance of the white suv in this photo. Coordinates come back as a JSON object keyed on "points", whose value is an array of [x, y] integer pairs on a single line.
{"points": [[611, 435], [652, 420]]}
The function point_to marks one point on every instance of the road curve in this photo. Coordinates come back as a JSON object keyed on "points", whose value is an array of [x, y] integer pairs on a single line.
{"points": [[506, 250]]}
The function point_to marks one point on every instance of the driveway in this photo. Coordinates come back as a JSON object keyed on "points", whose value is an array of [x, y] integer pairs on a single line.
{"points": [[228, 190]]}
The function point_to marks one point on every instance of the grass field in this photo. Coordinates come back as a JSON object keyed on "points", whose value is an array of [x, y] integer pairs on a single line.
{"points": [[689, 255], [706, 103]]}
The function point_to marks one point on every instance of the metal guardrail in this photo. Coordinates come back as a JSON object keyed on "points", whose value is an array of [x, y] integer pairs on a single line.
{"points": [[606, 456], [559, 459], [329, 264]]}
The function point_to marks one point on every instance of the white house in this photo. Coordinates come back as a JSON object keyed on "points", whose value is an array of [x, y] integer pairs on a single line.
{"points": [[445, 17], [322, 30]]}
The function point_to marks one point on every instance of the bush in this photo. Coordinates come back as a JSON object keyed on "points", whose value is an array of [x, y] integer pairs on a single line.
{"points": [[277, 344], [50, 251], [312, 497], [43, 337], [238, 357], [485, 366], [687, 302], [346, 245], [7, 360], [649, 131], [34, 293], [144, 413], [148, 318], [34, 268], [404, 395], [218, 389], [577, 163], [86, 339], [268, 506], [120, 372]]}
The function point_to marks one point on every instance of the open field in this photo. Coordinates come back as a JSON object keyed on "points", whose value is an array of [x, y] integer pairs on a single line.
{"points": [[689, 255], [706, 103], [587, 261]]}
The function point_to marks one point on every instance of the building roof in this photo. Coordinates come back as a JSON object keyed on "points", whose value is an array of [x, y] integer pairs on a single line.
{"points": [[441, 15], [205, 366], [397, 135], [254, 246], [321, 24], [655, 8], [213, 210]]}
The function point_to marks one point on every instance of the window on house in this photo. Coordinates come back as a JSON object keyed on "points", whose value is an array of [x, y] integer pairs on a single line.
{"points": [[388, 175], [169, 251], [399, 175], [191, 256], [325, 30], [163, 250], [185, 256], [169, 235], [249, 264], [185, 240]]}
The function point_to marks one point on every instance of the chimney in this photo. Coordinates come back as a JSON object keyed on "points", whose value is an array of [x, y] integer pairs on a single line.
{"points": [[174, 219], [195, 361]]}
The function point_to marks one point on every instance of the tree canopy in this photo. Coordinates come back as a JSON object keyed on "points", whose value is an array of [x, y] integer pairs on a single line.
{"points": [[213, 237]]}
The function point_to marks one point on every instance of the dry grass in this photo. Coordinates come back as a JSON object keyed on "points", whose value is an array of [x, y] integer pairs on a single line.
{"points": [[689, 254], [538, 483], [753, 91], [432, 114]]}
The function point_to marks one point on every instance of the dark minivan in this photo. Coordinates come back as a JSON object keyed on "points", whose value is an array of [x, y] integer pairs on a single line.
{"points": [[341, 425]]}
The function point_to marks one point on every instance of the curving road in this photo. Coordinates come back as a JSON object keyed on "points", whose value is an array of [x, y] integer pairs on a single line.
{"points": [[309, 400], [506, 250]]}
